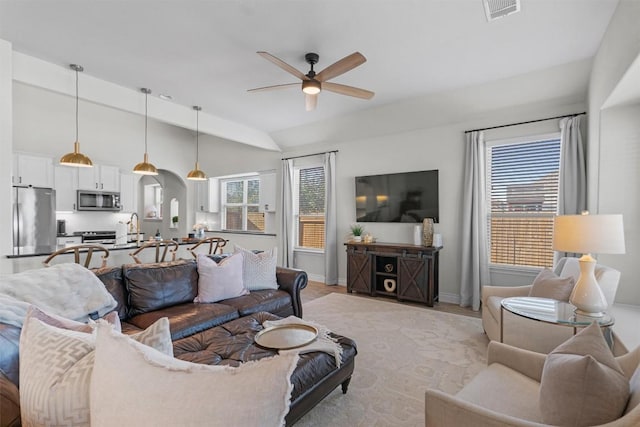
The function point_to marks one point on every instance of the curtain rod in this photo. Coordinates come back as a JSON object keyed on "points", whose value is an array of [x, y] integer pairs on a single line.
{"points": [[524, 123], [309, 155]]}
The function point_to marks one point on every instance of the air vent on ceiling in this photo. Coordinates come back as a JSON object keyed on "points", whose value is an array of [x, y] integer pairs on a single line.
{"points": [[495, 9]]}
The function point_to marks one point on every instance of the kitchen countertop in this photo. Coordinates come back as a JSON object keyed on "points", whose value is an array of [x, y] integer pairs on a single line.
{"points": [[110, 247]]}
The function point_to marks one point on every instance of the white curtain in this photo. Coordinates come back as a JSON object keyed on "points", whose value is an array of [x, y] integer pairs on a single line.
{"points": [[474, 262], [330, 221], [287, 223], [573, 171], [572, 186]]}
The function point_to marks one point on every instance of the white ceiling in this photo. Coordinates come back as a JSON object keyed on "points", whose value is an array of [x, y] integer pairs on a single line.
{"points": [[204, 52]]}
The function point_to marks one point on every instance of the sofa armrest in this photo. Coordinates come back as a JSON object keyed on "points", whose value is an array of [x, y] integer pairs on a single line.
{"points": [[292, 281], [526, 362], [444, 410], [504, 292]]}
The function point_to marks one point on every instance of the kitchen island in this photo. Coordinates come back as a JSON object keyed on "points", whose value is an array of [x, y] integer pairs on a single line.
{"points": [[118, 255]]}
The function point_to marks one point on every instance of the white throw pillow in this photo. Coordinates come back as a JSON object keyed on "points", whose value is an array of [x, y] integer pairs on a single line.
{"points": [[259, 269], [56, 366], [217, 282], [179, 393], [548, 285]]}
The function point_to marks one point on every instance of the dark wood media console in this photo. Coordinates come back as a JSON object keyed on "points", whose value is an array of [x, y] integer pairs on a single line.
{"points": [[405, 272]]}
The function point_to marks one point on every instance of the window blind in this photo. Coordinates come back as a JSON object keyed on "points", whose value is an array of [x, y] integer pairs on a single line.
{"points": [[522, 188], [311, 208]]}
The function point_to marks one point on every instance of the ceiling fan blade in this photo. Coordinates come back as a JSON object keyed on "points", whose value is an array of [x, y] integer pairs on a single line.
{"points": [[310, 101], [342, 66], [347, 90], [280, 63], [284, 86]]}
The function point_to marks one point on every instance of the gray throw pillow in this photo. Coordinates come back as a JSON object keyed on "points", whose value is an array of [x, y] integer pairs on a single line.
{"points": [[548, 285], [582, 383]]}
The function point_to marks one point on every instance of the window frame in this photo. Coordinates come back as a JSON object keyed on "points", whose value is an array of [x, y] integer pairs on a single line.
{"points": [[296, 207], [490, 144], [223, 182]]}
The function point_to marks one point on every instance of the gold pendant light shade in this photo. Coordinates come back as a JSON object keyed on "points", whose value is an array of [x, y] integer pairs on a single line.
{"points": [[197, 174], [76, 158], [145, 168]]}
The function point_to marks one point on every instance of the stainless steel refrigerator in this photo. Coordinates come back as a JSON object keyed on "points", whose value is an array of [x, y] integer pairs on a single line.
{"points": [[34, 220]]}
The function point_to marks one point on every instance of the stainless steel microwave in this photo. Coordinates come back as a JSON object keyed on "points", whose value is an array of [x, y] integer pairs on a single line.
{"points": [[98, 201]]}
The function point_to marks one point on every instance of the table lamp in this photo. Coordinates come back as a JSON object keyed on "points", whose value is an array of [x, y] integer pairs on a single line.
{"points": [[588, 234]]}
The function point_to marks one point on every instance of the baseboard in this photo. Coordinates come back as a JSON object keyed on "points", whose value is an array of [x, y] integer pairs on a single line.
{"points": [[449, 298], [316, 277]]}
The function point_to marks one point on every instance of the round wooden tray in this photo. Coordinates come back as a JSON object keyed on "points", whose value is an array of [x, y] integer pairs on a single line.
{"points": [[284, 337]]}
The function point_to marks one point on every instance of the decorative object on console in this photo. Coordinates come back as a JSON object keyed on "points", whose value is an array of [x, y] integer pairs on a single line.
{"points": [[427, 232], [588, 234], [437, 240], [389, 285], [357, 230], [76, 158], [145, 168], [196, 174], [417, 235]]}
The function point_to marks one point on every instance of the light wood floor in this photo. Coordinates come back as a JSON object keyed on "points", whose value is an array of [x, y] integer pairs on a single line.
{"points": [[316, 290]]}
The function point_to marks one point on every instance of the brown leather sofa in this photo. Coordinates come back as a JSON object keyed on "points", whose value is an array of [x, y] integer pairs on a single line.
{"points": [[215, 333]]}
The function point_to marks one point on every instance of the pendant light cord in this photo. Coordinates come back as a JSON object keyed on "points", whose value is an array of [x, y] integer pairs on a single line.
{"points": [[197, 135], [76, 104], [146, 103]]}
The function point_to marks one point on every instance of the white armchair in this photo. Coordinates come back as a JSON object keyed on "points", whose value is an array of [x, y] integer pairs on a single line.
{"points": [[530, 334], [506, 393]]}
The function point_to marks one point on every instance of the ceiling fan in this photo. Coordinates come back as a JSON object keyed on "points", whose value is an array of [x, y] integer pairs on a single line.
{"points": [[313, 83]]}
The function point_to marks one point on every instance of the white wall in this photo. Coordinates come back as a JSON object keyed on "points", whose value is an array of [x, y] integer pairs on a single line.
{"points": [[614, 141], [6, 136]]}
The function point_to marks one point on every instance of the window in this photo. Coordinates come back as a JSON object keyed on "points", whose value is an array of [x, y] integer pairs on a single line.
{"points": [[309, 192], [522, 192], [240, 204]]}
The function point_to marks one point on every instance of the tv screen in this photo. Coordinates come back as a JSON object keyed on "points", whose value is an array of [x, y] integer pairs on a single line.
{"points": [[397, 197]]}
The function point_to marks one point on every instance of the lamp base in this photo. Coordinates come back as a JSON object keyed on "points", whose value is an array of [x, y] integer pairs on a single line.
{"points": [[587, 296], [579, 312]]}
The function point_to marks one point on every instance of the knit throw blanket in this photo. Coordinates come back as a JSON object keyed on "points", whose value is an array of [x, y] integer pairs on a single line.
{"points": [[324, 342], [68, 290]]}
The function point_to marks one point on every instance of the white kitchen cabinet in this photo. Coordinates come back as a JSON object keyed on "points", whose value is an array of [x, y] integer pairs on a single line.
{"points": [[63, 242], [66, 185], [207, 195], [268, 191], [32, 170], [99, 178], [129, 192]]}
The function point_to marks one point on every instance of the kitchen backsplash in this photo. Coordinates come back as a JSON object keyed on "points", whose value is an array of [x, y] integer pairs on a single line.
{"points": [[92, 221]]}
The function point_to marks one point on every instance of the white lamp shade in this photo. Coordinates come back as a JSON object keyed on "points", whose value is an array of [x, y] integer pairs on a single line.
{"points": [[589, 234]]}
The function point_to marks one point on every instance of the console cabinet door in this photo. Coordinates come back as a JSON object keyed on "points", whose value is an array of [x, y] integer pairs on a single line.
{"points": [[359, 272], [412, 279]]}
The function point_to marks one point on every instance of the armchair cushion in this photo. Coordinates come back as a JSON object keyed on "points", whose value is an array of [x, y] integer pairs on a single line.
{"points": [[582, 383], [548, 285]]}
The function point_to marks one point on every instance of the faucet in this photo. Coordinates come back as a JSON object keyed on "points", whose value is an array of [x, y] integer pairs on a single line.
{"points": [[137, 227]]}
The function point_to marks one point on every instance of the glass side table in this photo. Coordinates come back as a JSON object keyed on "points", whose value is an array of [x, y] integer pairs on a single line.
{"points": [[553, 312]]}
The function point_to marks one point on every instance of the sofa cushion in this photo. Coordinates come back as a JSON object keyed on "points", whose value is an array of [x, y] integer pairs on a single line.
{"points": [[259, 269], [219, 281], [518, 394], [582, 384], [187, 319], [55, 374], [62, 323], [548, 285], [9, 403], [176, 392], [272, 300], [159, 285], [113, 281]]}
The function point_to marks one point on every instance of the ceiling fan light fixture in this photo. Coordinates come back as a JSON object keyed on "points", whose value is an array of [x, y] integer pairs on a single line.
{"points": [[145, 168], [311, 87], [76, 158]]}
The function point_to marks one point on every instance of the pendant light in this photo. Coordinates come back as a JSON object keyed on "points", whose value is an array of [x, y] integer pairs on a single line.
{"points": [[76, 158], [145, 168], [197, 174]]}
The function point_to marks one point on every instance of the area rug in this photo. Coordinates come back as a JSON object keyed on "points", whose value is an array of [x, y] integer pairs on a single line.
{"points": [[402, 351]]}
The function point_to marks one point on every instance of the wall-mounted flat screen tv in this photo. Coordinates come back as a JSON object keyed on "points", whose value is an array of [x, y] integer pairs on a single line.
{"points": [[397, 197]]}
